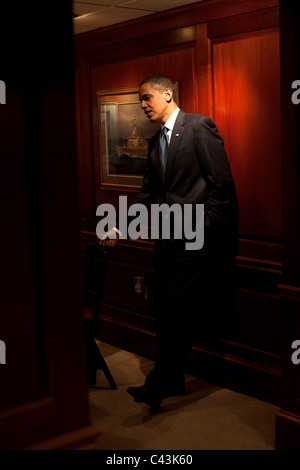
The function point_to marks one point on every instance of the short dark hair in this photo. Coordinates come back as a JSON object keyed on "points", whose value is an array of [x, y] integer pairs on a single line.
{"points": [[160, 82]]}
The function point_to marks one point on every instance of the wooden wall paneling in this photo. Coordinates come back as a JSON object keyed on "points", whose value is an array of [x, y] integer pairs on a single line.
{"points": [[243, 60], [244, 23], [258, 321], [203, 73], [247, 111], [85, 155], [288, 419], [238, 367], [146, 44], [119, 287], [43, 386], [121, 329]]}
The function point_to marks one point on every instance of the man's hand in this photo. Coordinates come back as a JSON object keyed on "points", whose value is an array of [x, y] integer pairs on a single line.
{"points": [[110, 239]]}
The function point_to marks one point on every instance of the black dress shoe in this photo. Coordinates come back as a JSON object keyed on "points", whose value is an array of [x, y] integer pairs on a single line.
{"points": [[152, 398]]}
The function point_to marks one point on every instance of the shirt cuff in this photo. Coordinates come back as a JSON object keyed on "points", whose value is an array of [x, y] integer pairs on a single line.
{"points": [[117, 231]]}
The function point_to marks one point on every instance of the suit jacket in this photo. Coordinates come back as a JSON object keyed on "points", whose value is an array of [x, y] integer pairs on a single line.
{"points": [[197, 172]]}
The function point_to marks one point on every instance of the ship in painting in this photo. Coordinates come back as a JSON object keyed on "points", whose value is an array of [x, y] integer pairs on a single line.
{"points": [[136, 145]]}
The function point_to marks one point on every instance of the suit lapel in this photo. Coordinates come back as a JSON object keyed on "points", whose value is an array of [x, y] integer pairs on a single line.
{"points": [[177, 134]]}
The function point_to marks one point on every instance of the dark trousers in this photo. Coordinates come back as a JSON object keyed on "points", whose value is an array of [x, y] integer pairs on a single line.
{"points": [[193, 290], [179, 276]]}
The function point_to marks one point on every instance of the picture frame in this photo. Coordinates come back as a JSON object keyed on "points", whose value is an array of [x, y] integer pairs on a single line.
{"points": [[124, 134]]}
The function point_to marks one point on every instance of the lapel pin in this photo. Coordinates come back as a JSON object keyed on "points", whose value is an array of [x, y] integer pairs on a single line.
{"points": [[177, 135]]}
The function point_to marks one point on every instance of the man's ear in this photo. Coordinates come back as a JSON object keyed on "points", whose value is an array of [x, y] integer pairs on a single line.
{"points": [[168, 94]]}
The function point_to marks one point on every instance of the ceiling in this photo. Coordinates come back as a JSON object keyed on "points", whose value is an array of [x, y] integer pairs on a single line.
{"points": [[94, 14]]}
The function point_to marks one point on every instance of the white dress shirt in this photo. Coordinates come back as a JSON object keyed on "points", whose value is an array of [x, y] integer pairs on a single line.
{"points": [[170, 124]]}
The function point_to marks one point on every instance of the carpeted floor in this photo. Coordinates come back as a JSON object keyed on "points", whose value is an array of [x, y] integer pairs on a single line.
{"points": [[206, 418]]}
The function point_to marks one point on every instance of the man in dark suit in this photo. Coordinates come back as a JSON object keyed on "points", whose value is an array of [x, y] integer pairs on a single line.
{"points": [[190, 284]]}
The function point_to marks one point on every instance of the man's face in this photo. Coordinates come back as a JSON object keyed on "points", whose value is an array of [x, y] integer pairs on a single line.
{"points": [[154, 103]]}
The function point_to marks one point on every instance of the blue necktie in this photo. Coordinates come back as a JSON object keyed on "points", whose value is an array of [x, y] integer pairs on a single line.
{"points": [[164, 147]]}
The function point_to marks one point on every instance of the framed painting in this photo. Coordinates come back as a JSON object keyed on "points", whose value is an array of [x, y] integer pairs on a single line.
{"points": [[124, 132]]}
